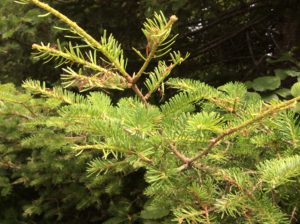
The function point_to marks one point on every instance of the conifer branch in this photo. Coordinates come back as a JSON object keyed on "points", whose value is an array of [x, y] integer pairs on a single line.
{"points": [[275, 109], [292, 217], [98, 147], [95, 44], [98, 166], [22, 104], [178, 154], [29, 109], [106, 149], [88, 38], [84, 83], [156, 35], [270, 111], [36, 87], [143, 158], [161, 72], [156, 30], [162, 77], [71, 58], [10, 165]]}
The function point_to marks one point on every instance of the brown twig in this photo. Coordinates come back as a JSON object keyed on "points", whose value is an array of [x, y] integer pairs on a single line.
{"points": [[139, 93], [178, 154], [293, 215]]}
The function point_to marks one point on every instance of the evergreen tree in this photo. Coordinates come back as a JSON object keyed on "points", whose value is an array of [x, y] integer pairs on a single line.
{"points": [[209, 155]]}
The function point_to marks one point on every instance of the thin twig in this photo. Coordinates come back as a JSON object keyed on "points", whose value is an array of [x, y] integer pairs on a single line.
{"points": [[179, 155], [293, 215], [139, 93], [153, 50], [145, 65], [251, 49], [166, 73]]}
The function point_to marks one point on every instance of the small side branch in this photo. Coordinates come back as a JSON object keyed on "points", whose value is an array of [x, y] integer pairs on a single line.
{"points": [[145, 65], [179, 155], [155, 40], [163, 77], [71, 58], [139, 94]]}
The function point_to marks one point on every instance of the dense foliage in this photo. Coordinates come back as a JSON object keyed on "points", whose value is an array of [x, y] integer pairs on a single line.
{"points": [[231, 178], [205, 155], [41, 178]]}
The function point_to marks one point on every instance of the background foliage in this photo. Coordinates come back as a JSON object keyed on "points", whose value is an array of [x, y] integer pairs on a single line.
{"points": [[43, 180], [19, 26], [228, 40]]}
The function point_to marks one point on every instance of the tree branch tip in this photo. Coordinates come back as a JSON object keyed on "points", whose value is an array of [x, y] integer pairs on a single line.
{"points": [[173, 18]]}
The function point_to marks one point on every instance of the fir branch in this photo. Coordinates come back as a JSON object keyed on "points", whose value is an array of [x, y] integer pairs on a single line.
{"points": [[161, 72], [98, 80], [265, 211], [9, 165], [104, 47], [99, 166], [104, 148], [232, 204], [37, 87], [179, 103], [157, 77], [22, 103], [87, 38], [156, 32], [276, 172], [190, 215], [228, 101], [294, 212], [272, 110], [70, 55], [110, 149]]}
